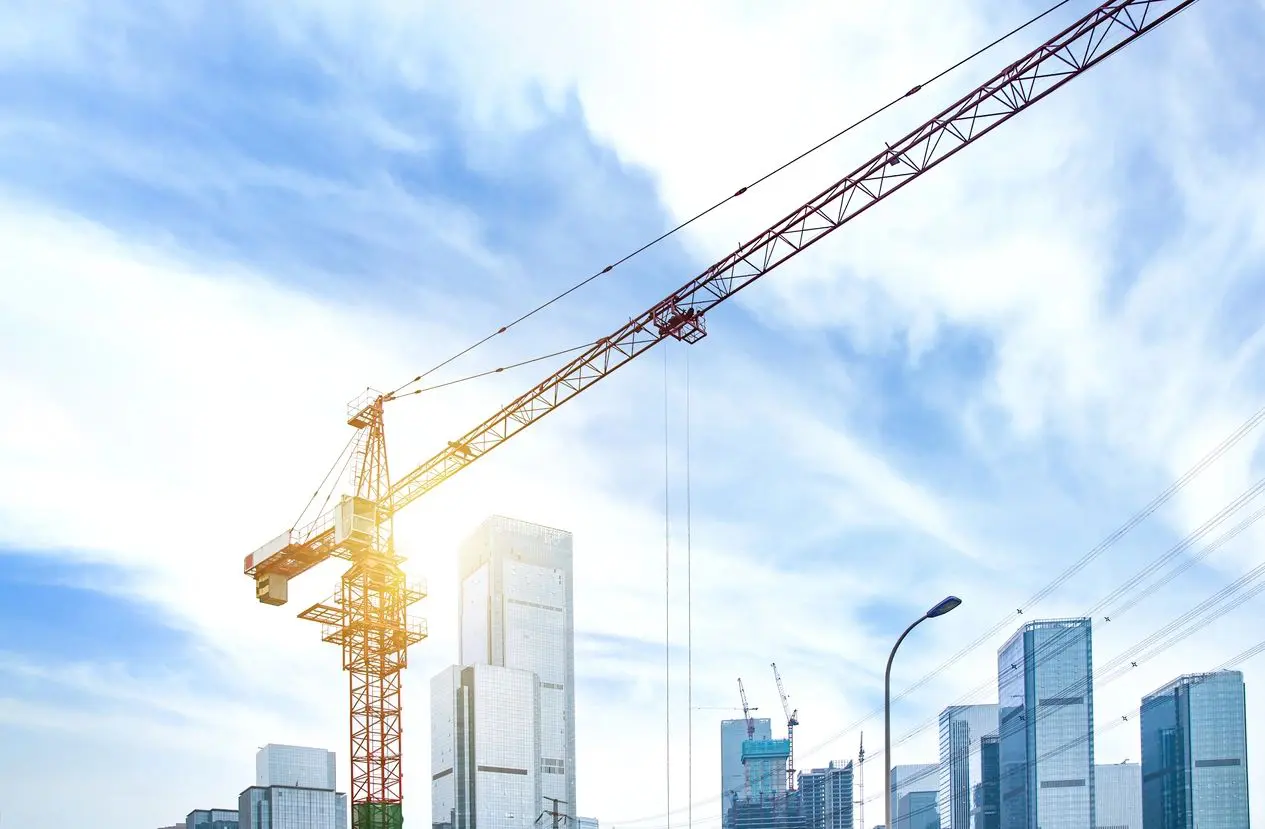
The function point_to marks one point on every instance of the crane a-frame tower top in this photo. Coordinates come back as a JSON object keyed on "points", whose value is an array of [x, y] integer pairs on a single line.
{"points": [[367, 617]]}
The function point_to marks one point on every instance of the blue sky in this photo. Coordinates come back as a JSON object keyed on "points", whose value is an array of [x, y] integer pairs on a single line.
{"points": [[219, 223]]}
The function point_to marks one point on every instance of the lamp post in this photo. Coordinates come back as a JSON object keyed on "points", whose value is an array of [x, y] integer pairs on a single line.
{"points": [[946, 604]]}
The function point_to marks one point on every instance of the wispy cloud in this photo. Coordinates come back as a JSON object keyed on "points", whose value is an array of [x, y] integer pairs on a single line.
{"points": [[216, 227]]}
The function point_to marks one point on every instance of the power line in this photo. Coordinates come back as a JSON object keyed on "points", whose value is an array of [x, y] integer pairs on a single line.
{"points": [[395, 395], [1227, 443], [1115, 722], [739, 192]]}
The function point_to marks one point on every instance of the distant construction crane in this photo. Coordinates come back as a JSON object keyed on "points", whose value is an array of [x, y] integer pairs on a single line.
{"points": [[746, 715], [792, 720], [746, 710], [367, 617]]}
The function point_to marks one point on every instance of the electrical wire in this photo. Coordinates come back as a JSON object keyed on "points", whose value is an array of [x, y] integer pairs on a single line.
{"points": [[667, 595], [1228, 442], [1115, 722], [1048, 651], [689, 602], [739, 192], [396, 396], [1111, 540]]}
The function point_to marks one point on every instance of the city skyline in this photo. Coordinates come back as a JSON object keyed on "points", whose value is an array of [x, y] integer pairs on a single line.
{"points": [[220, 222]]}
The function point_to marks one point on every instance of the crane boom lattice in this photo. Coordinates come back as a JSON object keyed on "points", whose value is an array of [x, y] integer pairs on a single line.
{"points": [[368, 618], [792, 720]]}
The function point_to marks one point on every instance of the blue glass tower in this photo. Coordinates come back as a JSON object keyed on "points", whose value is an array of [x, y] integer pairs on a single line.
{"points": [[962, 728], [1046, 726], [1194, 753], [986, 795]]}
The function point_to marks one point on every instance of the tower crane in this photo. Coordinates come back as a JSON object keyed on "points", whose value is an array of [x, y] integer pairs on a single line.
{"points": [[792, 720], [367, 616], [746, 710], [746, 715]]}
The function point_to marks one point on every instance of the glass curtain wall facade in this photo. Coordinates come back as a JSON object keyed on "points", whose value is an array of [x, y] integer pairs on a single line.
{"points": [[986, 794], [907, 779], [917, 810], [962, 727], [516, 613], [1046, 726], [282, 765], [1118, 796], [211, 819], [1194, 753], [291, 807], [485, 749]]}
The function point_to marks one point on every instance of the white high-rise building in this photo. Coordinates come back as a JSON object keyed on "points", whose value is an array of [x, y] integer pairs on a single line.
{"points": [[515, 615]]}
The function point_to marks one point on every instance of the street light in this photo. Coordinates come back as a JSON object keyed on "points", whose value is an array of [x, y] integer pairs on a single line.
{"points": [[946, 604]]}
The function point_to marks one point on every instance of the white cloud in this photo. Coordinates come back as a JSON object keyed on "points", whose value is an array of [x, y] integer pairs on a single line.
{"points": [[178, 410]]}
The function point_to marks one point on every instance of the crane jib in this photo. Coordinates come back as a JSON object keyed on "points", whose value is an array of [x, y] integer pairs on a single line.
{"points": [[1077, 48]]}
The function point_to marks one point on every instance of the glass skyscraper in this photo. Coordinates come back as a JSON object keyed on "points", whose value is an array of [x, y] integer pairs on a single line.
{"points": [[916, 810], [962, 727], [1118, 795], [986, 794], [294, 790], [517, 613], [915, 779], [1046, 726], [503, 720], [1194, 753], [282, 765], [485, 749]]}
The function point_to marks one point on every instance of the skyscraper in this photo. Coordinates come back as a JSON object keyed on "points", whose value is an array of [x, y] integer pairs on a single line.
{"points": [[916, 810], [294, 790], [485, 748], [1046, 726], [732, 774], [825, 797], [282, 765], [1194, 753], [962, 727], [1118, 795], [986, 794], [910, 779], [515, 615]]}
